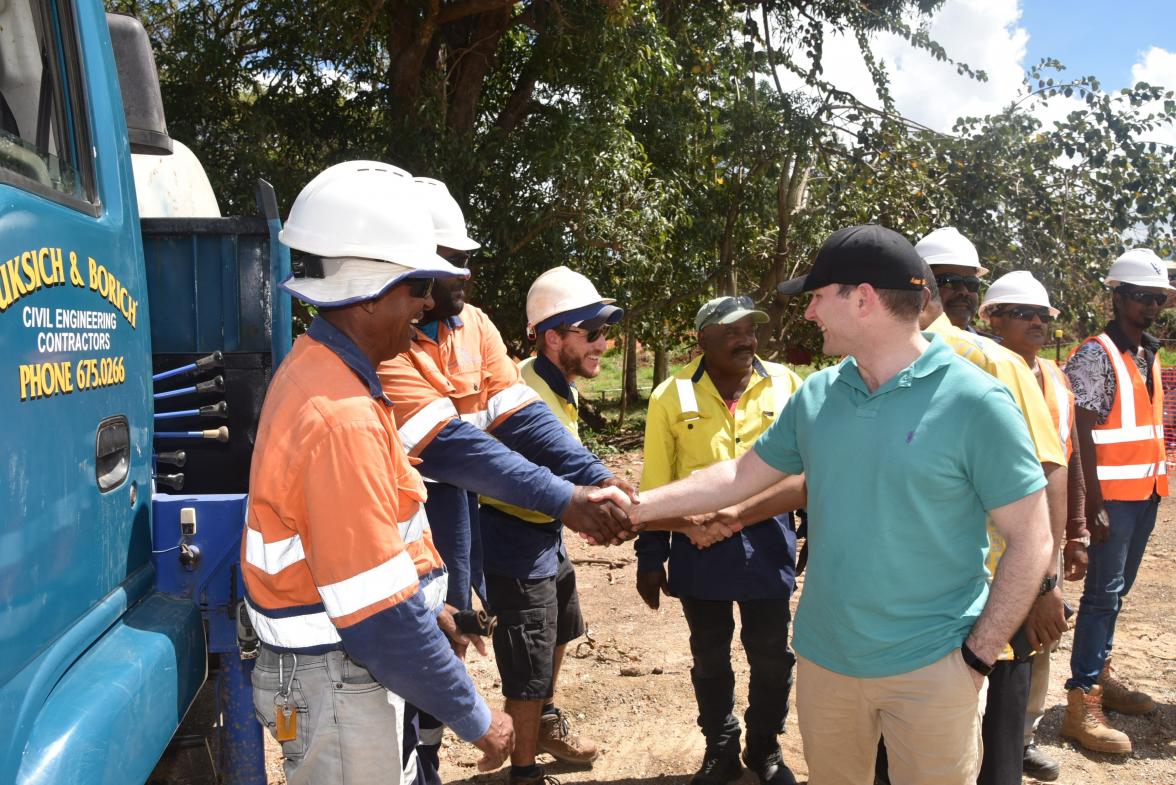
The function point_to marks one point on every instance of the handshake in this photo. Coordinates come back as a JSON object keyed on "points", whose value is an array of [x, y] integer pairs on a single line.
{"points": [[611, 513]]}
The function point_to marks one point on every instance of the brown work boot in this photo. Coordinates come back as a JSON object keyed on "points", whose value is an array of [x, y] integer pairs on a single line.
{"points": [[1086, 726], [1117, 696], [562, 743]]}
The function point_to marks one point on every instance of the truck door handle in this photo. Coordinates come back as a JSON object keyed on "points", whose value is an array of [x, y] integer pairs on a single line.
{"points": [[112, 452]]}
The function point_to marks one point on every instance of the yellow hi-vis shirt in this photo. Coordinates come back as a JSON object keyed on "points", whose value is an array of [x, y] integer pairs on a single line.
{"points": [[1011, 369], [564, 411], [689, 426]]}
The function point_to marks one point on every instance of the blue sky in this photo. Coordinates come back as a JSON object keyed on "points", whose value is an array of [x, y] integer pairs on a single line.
{"points": [[1097, 37], [1117, 41]]}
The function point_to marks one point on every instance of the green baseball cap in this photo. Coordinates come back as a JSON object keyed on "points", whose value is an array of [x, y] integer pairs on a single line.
{"points": [[724, 310]]}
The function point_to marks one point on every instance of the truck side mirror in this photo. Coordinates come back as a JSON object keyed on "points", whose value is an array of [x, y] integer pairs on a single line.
{"points": [[139, 82]]}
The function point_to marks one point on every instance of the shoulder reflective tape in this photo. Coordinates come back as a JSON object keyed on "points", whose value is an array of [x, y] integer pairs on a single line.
{"points": [[781, 391], [509, 399], [1124, 389], [1061, 400], [424, 421], [412, 529], [293, 632], [1138, 433], [272, 557], [687, 400], [371, 586], [1132, 471]]}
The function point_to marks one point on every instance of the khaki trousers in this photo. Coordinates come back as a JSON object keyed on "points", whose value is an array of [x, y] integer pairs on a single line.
{"points": [[930, 717]]}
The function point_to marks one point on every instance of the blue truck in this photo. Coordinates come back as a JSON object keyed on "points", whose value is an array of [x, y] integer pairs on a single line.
{"points": [[136, 353]]}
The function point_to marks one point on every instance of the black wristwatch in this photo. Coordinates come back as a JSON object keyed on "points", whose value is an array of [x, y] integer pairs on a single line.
{"points": [[974, 662], [1048, 585]]}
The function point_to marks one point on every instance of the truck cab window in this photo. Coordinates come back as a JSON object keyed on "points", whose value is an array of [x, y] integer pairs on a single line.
{"points": [[43, 138]]}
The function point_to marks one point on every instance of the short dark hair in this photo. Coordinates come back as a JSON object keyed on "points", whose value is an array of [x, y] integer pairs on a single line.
{"points": [[904, 304]]}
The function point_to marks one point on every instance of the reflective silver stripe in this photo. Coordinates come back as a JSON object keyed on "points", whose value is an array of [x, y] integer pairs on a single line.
{"points": [[410, 766], [412, 529], [371, 586], [480, 420], [1132, 471], [433, 590], [423, 422], [781, 391], [272, 557], [1123, 385], [293, 632], [1062, 401], [1139, 433], [431, 737], [686, 398], [511, 398]]}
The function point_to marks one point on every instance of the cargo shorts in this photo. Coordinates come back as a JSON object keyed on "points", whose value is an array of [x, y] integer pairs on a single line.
{"points": [[535, 616]]}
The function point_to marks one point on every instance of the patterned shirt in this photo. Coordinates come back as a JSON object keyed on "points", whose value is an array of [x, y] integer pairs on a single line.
{"points": [[1092, 377]]}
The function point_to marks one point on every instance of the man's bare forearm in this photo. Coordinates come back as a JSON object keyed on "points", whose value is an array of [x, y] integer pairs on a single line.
{"points": [[1024, 525], [1056, 497], [788, 495], [717, 486]]}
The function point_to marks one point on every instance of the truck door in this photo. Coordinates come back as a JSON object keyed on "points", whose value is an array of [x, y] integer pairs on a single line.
{"points": [[75, 388]]}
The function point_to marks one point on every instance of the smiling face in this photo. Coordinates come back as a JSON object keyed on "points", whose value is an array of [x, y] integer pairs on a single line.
{"points": [[394, 315], [448, 293], [572, 351], [830, 311], [729, 349]]}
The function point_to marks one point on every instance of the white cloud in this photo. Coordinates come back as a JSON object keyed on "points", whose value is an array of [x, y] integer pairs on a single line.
{"points": [[1158, 67], [984, 34]]}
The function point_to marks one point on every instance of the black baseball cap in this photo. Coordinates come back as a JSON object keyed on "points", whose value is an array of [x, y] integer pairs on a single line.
{"points": [[869, 254]]}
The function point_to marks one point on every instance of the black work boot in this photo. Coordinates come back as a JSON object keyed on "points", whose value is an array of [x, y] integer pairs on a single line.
{"points": [[719, 766], [1039, 766], [767, 763]]}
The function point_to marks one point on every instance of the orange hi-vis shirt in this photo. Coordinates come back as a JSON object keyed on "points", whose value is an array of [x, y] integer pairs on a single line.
{"points": [[465, 373], [1129, 446], [336, 529], [1059, 399]]}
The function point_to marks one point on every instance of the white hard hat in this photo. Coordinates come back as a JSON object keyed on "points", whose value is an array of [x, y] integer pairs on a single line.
{"points": [[1016, 288], [1139, 267], [564, 297], [366, 222], [948, 246], [448, 223]]}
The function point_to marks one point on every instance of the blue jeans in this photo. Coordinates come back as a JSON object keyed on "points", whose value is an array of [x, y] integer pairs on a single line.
{"points": [[1110, 573]]}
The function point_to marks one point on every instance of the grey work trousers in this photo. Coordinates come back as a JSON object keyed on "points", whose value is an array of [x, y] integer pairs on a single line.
{"points": [[350, 729]]}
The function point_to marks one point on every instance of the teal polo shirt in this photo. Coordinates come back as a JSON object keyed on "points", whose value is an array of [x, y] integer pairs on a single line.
{"points": [[898, 484]]}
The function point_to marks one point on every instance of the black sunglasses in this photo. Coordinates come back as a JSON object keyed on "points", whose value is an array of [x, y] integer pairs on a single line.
{"points": [[969, 282], [420, 288], [1140, 296], [1026, 313], [457, 258], [592, 336]]}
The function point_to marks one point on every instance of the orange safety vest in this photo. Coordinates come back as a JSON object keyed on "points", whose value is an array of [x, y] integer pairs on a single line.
{"points": [[465, 373], [1059, 400], [1129, 446]]}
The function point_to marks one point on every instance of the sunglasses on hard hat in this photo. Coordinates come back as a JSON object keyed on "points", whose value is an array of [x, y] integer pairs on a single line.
{"points": [[1141, 296], [1026, 313], [591, 336], [420, 288], [731, 305], [969, 282]]}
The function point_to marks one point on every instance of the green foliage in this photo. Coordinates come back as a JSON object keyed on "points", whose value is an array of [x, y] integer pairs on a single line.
{"points": [[650, 144]]}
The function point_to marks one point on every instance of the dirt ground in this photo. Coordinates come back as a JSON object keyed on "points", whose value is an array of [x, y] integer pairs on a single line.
{"points": [[627, 685]]}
